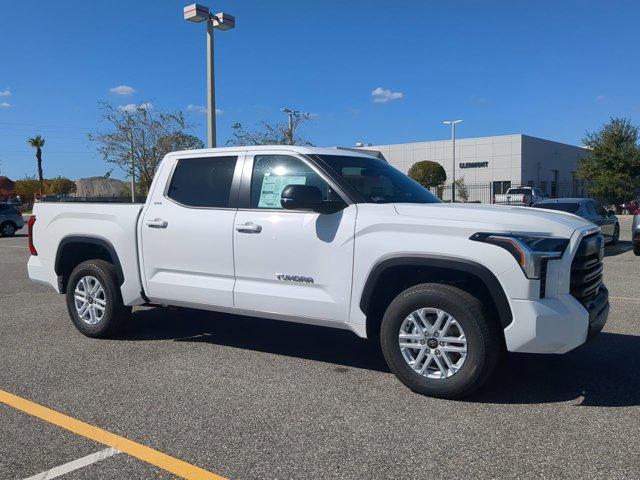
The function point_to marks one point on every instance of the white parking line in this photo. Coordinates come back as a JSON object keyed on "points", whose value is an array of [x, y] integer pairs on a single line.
{"points": [[631, 299], [75, 464]]}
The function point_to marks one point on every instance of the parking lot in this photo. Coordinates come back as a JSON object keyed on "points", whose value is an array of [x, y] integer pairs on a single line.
{"points": [[251, 398]]}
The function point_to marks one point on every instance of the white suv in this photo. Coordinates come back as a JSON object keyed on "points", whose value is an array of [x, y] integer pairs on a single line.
{"points": [[335, 238]]}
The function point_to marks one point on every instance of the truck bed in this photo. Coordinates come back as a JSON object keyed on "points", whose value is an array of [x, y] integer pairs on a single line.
{"points": [[59, 223]]}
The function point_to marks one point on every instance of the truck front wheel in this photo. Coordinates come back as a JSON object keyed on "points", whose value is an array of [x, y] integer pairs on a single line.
{"points": [[438, 341], [94, 301]]}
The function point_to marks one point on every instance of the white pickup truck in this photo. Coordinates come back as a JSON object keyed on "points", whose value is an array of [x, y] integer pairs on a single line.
{"points": [[519, 196], [336, 238]]}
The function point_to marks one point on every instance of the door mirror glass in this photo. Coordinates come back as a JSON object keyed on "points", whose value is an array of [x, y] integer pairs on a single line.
{"points": [[301, 197], [611, 213]]}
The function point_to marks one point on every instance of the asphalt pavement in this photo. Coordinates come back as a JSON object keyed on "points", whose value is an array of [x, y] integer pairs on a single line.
{"points": [[258, 399]]}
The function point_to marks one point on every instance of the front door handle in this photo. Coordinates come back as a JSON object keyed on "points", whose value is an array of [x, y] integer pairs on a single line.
{"points": [[248, 227], [156, 223]]}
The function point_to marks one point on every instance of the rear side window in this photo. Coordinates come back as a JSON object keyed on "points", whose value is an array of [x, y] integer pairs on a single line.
{"points": [[203, 182]]}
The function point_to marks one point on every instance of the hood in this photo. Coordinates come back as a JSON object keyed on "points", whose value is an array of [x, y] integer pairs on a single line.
{"points": [[496, 218]]}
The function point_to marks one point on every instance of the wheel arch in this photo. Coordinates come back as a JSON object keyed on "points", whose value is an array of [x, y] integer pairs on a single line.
{"points": [[75, 249], [392, 275]]}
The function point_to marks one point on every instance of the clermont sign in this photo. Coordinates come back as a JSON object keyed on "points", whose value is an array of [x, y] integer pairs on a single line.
{"points": [[474, 165]]}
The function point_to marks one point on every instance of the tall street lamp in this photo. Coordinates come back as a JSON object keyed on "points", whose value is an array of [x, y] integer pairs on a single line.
{"points": [[453, 124], [222, 21], [291, 114]]}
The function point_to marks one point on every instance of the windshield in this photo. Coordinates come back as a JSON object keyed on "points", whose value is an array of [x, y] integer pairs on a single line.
{"points": [[564, 207], [377, 181]]}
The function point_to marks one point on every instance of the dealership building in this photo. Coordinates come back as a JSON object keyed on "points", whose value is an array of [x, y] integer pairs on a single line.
{"points": [[499, 162]]}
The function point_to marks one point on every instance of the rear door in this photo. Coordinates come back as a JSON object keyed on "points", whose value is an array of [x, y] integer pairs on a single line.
{"points": [[291, 262], [186, 231]]}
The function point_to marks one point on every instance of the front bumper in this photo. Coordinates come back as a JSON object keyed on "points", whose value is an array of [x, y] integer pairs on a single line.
{"points": [[555, 325], [598, 310]]}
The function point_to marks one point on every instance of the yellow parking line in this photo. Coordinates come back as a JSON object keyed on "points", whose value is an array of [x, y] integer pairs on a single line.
{"points": [[141, 452]]}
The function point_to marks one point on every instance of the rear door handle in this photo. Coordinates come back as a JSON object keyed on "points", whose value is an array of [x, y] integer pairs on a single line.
{"points": [[248, 227], [156, 223]]}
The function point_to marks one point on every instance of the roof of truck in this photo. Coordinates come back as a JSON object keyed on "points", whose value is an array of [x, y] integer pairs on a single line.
{"points": [[289, 148]]}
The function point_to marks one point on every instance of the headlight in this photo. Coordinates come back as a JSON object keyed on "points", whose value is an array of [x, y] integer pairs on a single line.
{"points": [[530, 251]]}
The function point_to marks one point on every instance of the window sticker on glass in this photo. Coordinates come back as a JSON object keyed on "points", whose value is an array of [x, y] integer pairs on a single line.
{"points": [[272, 186]]}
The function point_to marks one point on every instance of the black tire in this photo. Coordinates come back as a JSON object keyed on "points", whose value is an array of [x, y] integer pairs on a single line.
{"points": [[636, 250], [484, 344], [115, 312], [616, 234], [8, 229]]}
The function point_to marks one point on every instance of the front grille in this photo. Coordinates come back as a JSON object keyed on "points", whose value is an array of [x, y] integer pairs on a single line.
{"points": [[586, 268]]}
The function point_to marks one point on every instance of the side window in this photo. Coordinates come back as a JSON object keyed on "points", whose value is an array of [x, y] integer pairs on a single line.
{"points": [[590, 209], [202, 182], [600, 210], [272, 173]]}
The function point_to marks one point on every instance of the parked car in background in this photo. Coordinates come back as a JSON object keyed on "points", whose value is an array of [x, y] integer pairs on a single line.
{"points": [[631, 207], [589, 209], [635, 233], [521, 196], [10, 220]]}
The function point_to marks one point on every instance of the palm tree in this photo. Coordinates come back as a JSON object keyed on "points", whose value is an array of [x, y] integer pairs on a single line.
{"points": [[37, 142]]}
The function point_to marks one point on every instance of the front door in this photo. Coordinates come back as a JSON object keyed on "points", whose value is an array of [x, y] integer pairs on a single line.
{"points": [[288, 262], [186, 232], [599, 217]]}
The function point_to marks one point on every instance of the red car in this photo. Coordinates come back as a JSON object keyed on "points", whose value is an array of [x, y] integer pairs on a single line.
{"points": [[630, 208]]}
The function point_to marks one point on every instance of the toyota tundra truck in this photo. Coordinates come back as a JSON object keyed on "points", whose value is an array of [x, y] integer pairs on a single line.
{"points": [[336, 238]]}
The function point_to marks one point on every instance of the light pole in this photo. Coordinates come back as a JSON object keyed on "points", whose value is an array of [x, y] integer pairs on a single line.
{"points": [[133, 167], [453, 124], [291, 114], [222, 21]]}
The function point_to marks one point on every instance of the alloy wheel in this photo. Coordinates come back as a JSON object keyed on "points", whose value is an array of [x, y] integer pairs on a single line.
{"points": [[90, 300], [433, 343]]}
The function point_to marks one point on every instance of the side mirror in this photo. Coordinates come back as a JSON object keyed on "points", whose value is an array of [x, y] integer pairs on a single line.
{"points": [[611, 213], [301, 197]]}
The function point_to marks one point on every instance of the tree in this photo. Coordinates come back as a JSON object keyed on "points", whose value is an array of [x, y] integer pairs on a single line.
{"points": [[612, 168], [271, 133], [27, 188], [462, 191], [60, 186], [428, 174], [148, 133], [37, 142]]}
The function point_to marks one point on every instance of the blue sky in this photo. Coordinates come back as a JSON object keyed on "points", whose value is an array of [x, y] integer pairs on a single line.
{"points": [[551, 69]]}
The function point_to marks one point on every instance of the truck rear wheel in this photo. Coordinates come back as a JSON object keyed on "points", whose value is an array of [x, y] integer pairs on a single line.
{"points": [[94, 301], [438, 341]]}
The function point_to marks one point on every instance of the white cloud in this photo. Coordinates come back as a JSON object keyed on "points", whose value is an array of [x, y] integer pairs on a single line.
{"points": [[381, 95], [5, 93], [202, 109], [132, 107], [5, 105], [122, 90], [600, 98]]}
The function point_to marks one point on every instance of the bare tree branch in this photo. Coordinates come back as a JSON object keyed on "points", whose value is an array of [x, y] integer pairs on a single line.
{"points": [[144, 133]]}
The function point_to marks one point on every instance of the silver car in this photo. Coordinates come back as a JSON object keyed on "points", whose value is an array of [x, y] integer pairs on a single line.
{"points": [[589, 209], [635, 234], [10, 220]]}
